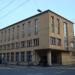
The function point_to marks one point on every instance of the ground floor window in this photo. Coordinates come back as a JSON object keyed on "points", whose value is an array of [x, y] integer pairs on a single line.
{"points": [[3, 58], [12, 57], [0, 56], [8, 57], [17, 56], [29, 56], [22, 56]]}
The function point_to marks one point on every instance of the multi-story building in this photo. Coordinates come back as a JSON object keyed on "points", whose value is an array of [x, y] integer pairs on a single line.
{"points": [[45, 38]]}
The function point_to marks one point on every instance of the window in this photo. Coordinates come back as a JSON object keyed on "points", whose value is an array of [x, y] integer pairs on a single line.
{"points": [[65, 29], [72, 44], [22, 44], [29, 43], [8, 34], [36, 42], [65, 36], [52, 40], [12, 57], [17, 44], [17, 32], [13, 33], [58, 25], [8, 57], [1, 37], [29, 28], [52, 24], [0, 47], [17, 56], [12, 45], [58, 42], [4, 47], [36, 26], [4, 57], [29, 56], [55, 41], [5, 36], [0, 56], [23, 33], [22, 56], [8, 46]]}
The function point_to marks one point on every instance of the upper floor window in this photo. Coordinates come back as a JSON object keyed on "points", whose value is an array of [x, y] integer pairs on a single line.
{"points": [[8, 46], [55, 41], [5, 36], [29, 43], [0, 47], [36, 26], [52, 40], [58, 26], [17, 44], [36, 42], [23, 32], [13, 33], [52, 24], [23, 43], [65, 36], [29, 28], [12, 45], [4, 47], [1, 37], [58, 41], [17, 32], [8, 34], [65, 29]]}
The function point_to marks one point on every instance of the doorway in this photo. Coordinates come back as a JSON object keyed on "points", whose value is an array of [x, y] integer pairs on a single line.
{"points": [[56, 57], [43, 57], [43, 60]]}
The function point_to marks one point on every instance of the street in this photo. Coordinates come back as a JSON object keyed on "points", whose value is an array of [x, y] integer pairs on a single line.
{"points": [[58, 70]]}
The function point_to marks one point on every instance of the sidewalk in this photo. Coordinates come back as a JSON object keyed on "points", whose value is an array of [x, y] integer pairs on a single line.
{"points": [[25, 66]]}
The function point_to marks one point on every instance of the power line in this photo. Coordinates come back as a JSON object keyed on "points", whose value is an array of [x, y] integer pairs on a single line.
{"points": [[36, 4], [8, 4], [19, 6]]}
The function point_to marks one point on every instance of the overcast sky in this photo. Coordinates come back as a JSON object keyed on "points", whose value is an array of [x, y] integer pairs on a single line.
{"points": [[12, 11]]}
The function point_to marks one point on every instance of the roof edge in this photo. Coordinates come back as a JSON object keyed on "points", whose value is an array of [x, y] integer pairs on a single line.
{"points": [[37, 15]]}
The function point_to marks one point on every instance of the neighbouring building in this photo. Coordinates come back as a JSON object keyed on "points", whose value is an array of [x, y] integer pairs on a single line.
{"points": [[45, 38]]}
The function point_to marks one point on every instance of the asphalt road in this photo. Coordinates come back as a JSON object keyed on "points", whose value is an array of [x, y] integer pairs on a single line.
{"points": [[61, 70]]}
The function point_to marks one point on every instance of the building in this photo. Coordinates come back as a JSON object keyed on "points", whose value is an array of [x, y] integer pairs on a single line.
{"points": [[74, 42], [44, 38]]}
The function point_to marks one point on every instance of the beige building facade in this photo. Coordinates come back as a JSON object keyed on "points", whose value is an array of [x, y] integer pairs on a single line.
{"points": [[43, 39]]}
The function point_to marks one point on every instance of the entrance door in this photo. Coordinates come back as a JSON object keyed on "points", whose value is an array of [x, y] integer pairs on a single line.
{"points": [[43, 60], [43, 57], [56, 57]]}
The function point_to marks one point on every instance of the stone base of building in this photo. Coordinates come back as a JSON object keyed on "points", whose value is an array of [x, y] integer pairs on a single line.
{"points": [[44, 57]]}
